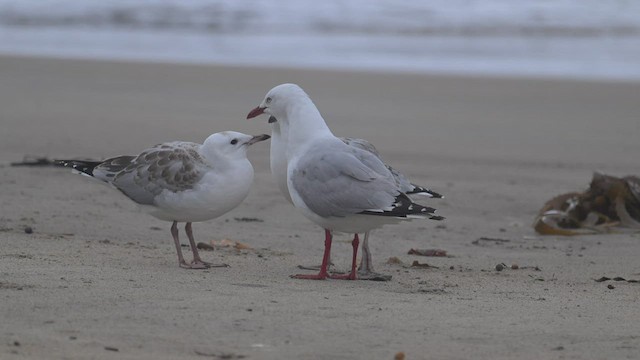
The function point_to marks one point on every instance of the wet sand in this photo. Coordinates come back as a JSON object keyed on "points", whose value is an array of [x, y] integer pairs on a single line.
{"points": [[99, 279]]}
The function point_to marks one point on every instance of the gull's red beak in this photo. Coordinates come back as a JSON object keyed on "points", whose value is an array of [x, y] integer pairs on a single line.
{"points": [[255, 112]]}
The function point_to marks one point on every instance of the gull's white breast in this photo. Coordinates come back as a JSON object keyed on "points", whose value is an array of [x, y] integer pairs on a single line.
{"points": [[214, 195]]}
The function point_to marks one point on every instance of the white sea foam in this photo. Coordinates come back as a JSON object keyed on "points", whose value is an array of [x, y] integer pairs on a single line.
{"points": [[561, 38]]}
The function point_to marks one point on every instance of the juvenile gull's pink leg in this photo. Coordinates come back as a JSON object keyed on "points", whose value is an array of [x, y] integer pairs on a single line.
{"points": [[174, 232], [197, 262]]}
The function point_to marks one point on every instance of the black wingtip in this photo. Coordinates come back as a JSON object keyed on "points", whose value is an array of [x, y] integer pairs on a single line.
{"points": [[403, 207], [419, 190], [85, 167]]}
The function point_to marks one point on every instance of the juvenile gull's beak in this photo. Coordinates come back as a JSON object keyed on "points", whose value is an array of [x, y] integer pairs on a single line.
{"points": [[255, 112], [257, 138]]}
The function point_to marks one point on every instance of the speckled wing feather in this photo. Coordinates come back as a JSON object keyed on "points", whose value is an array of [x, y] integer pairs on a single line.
{"points": [[174, 166]]}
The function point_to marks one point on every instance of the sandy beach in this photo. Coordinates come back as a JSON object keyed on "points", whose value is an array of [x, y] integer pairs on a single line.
{"points": [[98, 279]]}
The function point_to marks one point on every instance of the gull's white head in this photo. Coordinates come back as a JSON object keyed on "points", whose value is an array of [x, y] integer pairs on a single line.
{"points": [[231, 144], [278, 101]]}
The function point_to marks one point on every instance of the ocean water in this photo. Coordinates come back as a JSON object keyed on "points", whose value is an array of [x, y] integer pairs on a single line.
{"points": [[588, 39]]}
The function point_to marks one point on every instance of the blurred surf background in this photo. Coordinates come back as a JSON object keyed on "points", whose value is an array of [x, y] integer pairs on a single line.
{"points": [[585, 39]]}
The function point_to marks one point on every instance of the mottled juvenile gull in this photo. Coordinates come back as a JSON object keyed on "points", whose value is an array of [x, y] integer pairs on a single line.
{"points": [[339, 187], [278, 162], [181, 181]]}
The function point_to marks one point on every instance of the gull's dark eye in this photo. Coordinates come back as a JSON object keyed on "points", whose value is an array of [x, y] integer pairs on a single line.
{"points": [[268, 101], [234, 141]]}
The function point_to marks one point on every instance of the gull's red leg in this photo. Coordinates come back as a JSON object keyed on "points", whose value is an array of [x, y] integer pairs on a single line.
{"points": [[328, 237], [352, 275]]}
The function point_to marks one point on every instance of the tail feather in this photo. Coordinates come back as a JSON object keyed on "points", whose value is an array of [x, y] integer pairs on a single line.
{"points": [[405, 208], [83, 166], [419, 190]]}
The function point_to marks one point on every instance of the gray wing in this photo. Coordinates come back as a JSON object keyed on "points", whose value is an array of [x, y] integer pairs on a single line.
{"points": [[403, 183], [339, 181], [410, 188], [173, 166], [361, 144], [401, 180]]}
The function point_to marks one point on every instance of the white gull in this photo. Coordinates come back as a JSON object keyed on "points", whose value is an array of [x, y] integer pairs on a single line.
{"points": [[181, 181], [339, 187], [278, 162]]}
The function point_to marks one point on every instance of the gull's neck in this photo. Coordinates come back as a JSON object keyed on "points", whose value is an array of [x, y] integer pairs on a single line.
{"points": [[276, 130], [303, 123], [278, 158], [278, 143]]}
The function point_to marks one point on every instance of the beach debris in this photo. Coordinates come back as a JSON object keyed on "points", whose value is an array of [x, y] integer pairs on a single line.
{"points": [[434, 291], [376, 277], [610, 204], [610, 287], [242, 246], [204, 246], [428, 252], [247, 219], [28, 230], [110, 348], [399, 356], [221, 356], [514, 266], [395, 261], [30, 160], [617, 278], [33, 160], [224, 243], [416, 264], [489, 239]]}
